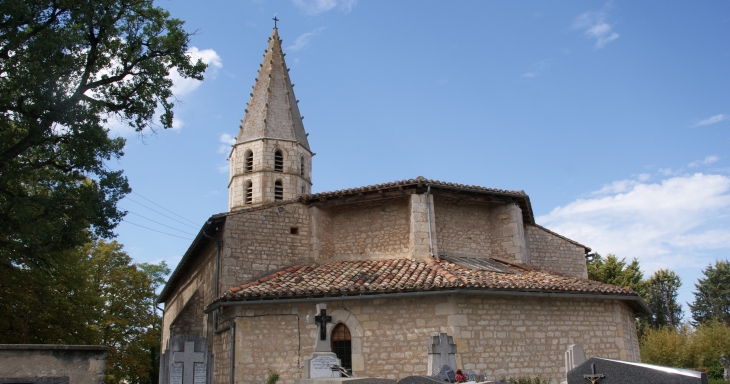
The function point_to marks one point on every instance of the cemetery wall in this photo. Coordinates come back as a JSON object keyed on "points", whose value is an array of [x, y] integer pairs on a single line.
{"points": [[78, 363], [499, 336], [184, 308], [480, 229], [260, 241], [555, 253], [378, 229]]}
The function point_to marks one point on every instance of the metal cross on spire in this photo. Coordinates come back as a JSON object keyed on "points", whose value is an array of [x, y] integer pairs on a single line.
{"points": [[275, 20]]}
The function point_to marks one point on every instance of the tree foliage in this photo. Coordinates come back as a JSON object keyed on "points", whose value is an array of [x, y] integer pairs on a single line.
{"points": [[93, 294], [659, 291], [712, 295], [66, 67], [686, 347], [611, 270], [661, 297]]}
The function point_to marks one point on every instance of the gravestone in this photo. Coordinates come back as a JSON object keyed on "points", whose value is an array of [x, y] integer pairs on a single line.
{"points": [[441, 351], [321, 366], [574, 357], [445, 374], [725, 362], [186, 362], [597, 370], [322, 358]]}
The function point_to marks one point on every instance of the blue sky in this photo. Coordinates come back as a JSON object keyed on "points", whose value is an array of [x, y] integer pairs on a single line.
{"points": [[613, 116]]}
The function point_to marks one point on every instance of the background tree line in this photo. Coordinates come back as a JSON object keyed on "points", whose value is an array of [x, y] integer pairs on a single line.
{"points": [[67, 68], [665, 337]]}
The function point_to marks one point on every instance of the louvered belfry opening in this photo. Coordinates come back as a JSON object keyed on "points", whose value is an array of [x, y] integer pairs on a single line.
{"points": [[341, 343], [301, 166], [278, 161], [249, 192], [278, 191], [249, 162]]}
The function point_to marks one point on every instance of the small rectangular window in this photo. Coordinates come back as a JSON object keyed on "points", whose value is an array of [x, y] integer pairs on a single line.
{"points": [[294, 230]]}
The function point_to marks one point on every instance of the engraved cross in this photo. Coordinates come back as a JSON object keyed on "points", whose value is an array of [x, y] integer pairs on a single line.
{"points": [[188, 357]]}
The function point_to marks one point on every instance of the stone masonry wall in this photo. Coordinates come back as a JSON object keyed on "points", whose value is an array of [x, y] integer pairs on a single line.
{"points": [[480, 229], [499, 336], [189, 321], [376, 229], [553, 253], [463, 227], [77, 363], [260, 241], [263, 175], [196, 284]]}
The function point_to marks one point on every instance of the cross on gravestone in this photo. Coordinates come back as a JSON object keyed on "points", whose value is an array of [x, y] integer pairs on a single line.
{"points": [[593, 377], [322, 319], [442, 351], [188, 357]]}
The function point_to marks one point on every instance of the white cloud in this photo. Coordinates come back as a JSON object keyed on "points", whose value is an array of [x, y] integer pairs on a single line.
{"points": [[537, 68], [707, 160], [594, 26], [315, 7], [228, 140], [303, 40], [668, 224], [182, 86], [712, 120]]}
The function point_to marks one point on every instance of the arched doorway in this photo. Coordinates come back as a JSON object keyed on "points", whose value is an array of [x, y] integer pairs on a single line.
{"points": [[341, 344]]}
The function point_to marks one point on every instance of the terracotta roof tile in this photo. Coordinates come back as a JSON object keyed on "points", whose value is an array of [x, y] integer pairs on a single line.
{"points": [[347, 277]]}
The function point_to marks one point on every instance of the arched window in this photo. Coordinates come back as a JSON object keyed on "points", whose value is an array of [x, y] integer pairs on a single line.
{"points": [[301, 166], [341, 343], [278, 161], [248, 161], [278, 190], [248, 189]]}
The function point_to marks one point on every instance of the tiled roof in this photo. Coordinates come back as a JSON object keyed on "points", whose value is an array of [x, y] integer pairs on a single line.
{"points": [[349, 277], [420, 180]]}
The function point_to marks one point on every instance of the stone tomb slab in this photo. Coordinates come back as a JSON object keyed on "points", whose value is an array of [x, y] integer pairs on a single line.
{"points": [[346, 380], [621, 372], [420, 380]]}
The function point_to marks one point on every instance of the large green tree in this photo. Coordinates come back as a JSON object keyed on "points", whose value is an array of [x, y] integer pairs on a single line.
{"points": [[92, 294], [712, 297], [66, 67], [661, 297]]}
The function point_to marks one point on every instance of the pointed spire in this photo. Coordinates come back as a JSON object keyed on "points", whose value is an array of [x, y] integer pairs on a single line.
{"points": [[272, 111]]}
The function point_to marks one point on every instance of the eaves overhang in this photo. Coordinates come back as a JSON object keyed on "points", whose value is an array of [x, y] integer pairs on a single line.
{"points": [[634, 301], [198, 244]]}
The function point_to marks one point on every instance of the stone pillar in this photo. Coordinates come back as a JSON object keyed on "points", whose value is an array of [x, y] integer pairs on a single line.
{"points": [[420, 246]]}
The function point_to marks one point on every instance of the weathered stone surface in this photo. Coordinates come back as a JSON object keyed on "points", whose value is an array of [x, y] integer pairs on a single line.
{"points": [[554, 253], [52, 364], [621, 372]]}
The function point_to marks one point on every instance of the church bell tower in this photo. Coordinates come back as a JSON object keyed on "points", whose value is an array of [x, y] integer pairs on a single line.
{"points": [[271, 160]]}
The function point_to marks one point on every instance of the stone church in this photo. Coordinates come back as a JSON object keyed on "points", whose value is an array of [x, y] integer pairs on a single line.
{"points": [[373, 274]]}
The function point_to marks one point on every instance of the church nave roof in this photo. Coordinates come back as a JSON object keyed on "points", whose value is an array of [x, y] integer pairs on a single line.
{"points": [[389, 276]]}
